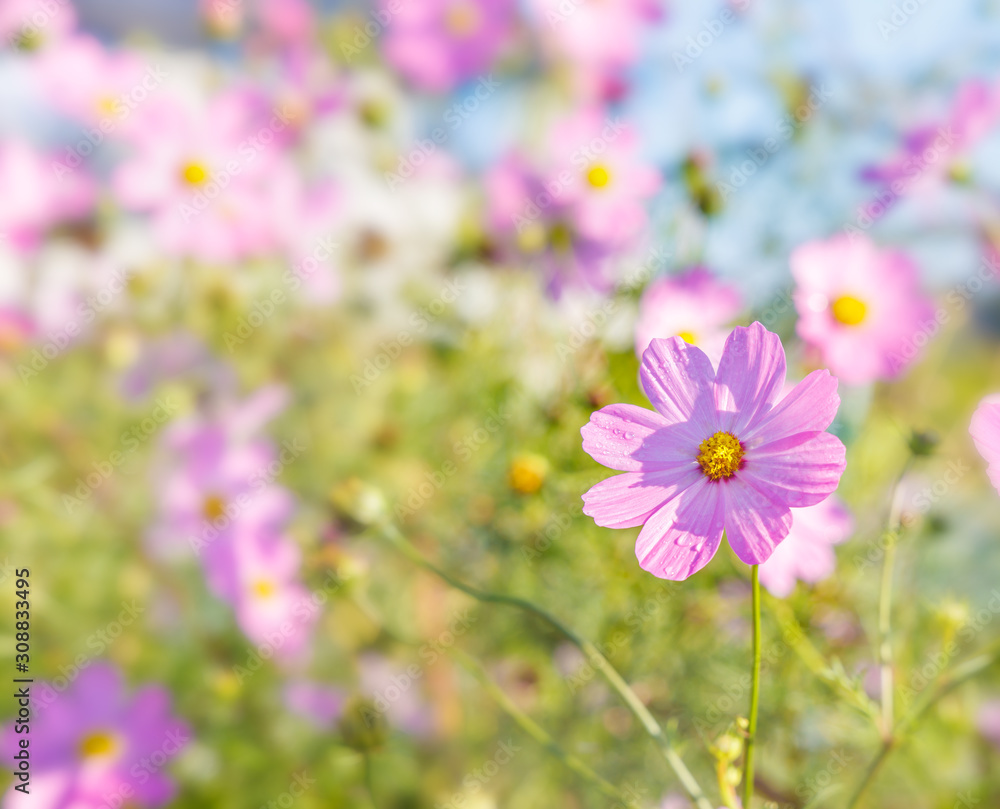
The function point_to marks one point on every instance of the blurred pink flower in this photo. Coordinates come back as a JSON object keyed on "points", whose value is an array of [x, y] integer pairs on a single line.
{"points": [[720, 452], [223, 18], [257, 573], [861, 307], [396, 693], [39, 193], [806, 554], [217, 477], [599, 40], [694, 306], [988, 722], [437, 44], [930, 152], [93, 742], [17, 328], [99, 87], [594, 162], [985, 432], [203, 171], [319, 703], [34, 24], [288, 22], [535, 226]]}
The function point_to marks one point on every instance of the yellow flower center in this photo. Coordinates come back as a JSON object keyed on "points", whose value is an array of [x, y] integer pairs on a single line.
{"points": [[463, 19], [213, 507], [849, 310], [194, 173], [262, 588], [532, 238], [720, 456], [598, 177], [97, 744], [106, 105], [561, 238], [688, 337]]}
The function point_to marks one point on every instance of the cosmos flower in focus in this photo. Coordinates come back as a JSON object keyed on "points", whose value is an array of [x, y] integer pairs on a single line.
{"points": [[861, 307], [985, 432], [695, 306], [437, 44], [93, 743], [723, 451], [806, 554]]}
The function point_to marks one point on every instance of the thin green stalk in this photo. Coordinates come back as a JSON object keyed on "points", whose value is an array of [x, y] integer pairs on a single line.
{"points": [[751, 740], [370, 779], [959, 675], [885, 644], [532, 728], [887, 686], [590, 651]]}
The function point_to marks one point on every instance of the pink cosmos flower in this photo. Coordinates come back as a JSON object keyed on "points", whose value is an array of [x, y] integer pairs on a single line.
{"points": [[538, 229], [861, 307], [594, 161], [438, 43], [988, 722], [95, 85], [723, 451], [600, 40], [257, 573], [217, 475], [39, 194], [930, 153], [694, 306], [985, 432], [92, 743], [34, 24], [318, 703], [806, 554], [203, 171]]}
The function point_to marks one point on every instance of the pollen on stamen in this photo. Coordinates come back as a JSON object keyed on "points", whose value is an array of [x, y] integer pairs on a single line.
{"points": [[720, 456]]}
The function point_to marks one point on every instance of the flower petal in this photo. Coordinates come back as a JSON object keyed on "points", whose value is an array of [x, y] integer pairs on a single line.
{"points": [[808, 407], [634, 439], [800, 470], [751, 375], [625, 501], [985, 432], [677, 378], [755, 523], [681, 537]]}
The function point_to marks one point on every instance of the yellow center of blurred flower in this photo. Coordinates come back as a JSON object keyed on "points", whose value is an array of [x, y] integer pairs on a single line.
{"points": [[688, 337], [106, 105], [213, 507], [598, 177], [194, 173], [720, 456], [97, 744], [463, 19], [849, 310], [531, 239], [262, 588], [561, 238], [527, 473]]}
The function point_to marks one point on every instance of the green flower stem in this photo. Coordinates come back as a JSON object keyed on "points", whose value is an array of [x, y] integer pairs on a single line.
{"points": [[958, 676], [751, 740], [591, 652], [887, 686], [532, 728]]}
